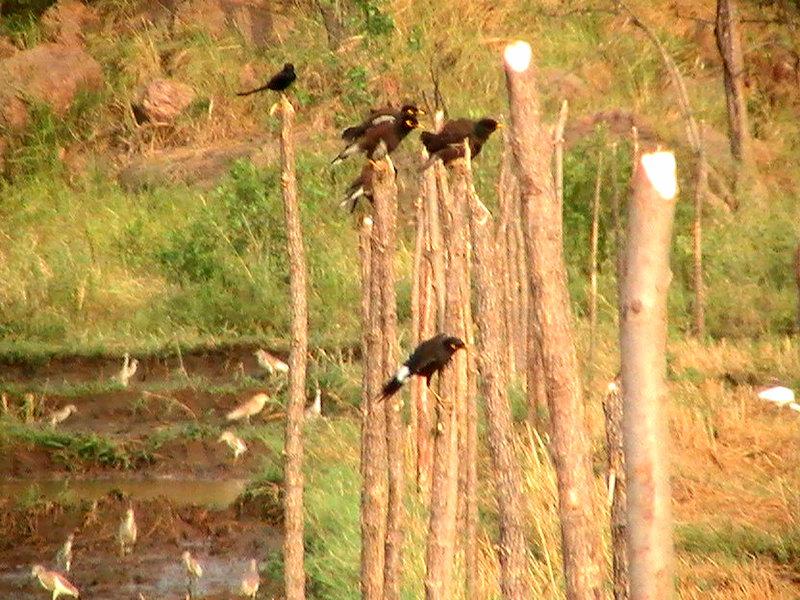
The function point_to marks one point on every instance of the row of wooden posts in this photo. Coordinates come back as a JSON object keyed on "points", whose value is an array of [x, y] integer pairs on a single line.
{"points": [[510, 270]]}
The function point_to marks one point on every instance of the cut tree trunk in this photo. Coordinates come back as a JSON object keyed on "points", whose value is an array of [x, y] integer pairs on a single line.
{"points": [[612, 409], [643, 336], [580, 532], [294, 574], [440, 550], [511, 548]]}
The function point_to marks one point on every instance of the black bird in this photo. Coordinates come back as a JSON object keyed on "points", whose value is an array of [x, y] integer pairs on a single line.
{"points": [[448, 143], [278, 82], [381, 115], [360, 188], [430, 357], [379, 140]]}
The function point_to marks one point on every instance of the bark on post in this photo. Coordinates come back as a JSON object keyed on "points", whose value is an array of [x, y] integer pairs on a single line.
{"points": [[373, 423], [440, 548], [698, 309], [580, 533], [643, 335], [612, 409], [294, 573], [383, 253], [514, 581]]}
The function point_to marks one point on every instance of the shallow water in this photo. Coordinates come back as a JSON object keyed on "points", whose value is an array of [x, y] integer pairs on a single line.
{"points": [[212, 493]]}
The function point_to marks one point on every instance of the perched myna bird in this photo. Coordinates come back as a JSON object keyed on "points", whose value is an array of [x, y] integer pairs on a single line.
{"points": [[379, 140], [278, 82], [236, 444], [127, 533], [251, 580], [448, 143], [248, 409], [430, 357], [360, 188], [387, 114]]}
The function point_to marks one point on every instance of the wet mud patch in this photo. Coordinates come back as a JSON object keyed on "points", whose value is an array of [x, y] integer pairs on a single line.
{"points": [[223, 540]]}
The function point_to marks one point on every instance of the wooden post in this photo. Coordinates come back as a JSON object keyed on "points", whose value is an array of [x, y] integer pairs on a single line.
{"points": [[440, 550], [643, 336], [612, 409], [294, 574], [373, 425], [514, 580], [383, 249], [580, 533]]}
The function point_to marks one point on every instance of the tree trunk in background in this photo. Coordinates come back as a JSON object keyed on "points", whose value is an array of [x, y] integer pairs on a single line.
{"points": [[294, 573], [373, 427], [726, 31], [383, 253], [643, 337], [580, 533], [698, 307], [593, 256], [440, 548], [612, 409], [512, 555]]}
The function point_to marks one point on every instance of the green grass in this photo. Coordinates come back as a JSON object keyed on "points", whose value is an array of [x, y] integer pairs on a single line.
{"points": [[735, 541]]}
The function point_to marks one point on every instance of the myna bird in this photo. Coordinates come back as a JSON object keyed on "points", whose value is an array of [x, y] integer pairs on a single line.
{"points": [[379, 140], [360, 188], [387, 114], [270, 363], [448, 143], [54, 582], [430, 357], [278, 82], [61, 415]]}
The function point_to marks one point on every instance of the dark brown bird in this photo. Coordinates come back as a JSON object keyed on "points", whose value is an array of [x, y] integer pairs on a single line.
{"points": [[381, 115], [430, 357], [360, 188], [379, 140], [278, 82], [448, 144]]}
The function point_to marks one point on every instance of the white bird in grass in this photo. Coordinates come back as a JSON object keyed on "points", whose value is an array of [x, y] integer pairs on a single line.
{"points": [[251, 580], [193, 569], [64, 555], [58, 416], [54, 582], [128, 370], [314, 411], [127, 533], [248, 409], [270, 363], [234, 443], [781, 396]]}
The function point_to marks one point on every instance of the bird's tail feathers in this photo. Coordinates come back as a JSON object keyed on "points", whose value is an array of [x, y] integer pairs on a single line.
{"points": [[349, 150]]}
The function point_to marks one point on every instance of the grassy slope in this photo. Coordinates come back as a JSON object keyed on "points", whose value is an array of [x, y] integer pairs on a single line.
{"points": [[86, 266]]}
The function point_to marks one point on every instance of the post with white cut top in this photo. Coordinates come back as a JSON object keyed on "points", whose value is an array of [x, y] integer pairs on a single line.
{"points": [[643, 335]]}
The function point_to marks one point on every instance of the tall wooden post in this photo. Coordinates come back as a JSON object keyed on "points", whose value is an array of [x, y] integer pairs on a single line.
{"points": [[580, 533], [511, 548], [643, 336], [294, 574]]}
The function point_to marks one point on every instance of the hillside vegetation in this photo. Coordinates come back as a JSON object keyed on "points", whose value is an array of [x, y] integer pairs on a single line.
{"points": [[89, 264]]}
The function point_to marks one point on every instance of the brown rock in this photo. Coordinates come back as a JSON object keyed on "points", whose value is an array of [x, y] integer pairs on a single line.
{"points": [[66, 21], [164, 99], [49, 74]]}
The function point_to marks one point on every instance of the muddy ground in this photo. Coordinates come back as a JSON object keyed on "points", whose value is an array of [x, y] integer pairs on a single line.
{"points": [[184, 486]]}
